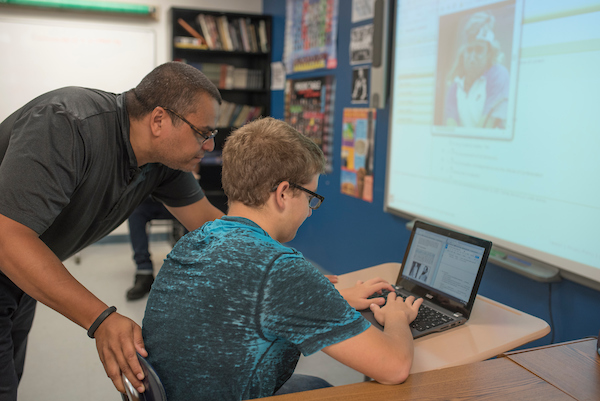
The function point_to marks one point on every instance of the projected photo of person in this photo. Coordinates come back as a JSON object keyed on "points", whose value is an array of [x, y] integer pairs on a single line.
{"points": [[473, 82]]}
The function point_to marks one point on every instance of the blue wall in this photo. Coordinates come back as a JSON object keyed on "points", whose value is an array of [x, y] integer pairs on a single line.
{"points": [[348, 234]]}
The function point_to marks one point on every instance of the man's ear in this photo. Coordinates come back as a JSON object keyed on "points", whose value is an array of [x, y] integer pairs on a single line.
{"points": [[158, 118]]}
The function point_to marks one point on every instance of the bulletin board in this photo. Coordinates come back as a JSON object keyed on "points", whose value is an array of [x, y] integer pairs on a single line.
{"points": [[38, 57]]}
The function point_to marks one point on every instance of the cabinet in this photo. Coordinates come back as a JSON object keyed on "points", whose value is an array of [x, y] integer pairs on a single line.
{"points": [[234, 51]]}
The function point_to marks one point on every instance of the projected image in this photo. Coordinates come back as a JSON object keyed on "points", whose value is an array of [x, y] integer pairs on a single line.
{"points": [[474, 68]]}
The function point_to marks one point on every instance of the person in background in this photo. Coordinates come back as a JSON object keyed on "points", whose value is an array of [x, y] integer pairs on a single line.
{"points": [[232, 307], [75, 162], [147, 211]]}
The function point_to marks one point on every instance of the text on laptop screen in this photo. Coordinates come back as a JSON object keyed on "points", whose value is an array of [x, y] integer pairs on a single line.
{"points": [[445, 264]]}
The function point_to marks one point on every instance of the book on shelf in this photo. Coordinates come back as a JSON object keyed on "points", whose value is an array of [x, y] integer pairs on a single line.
{"points": [[252, 37], [244, 34], [226, 78], [262, 33], [210, 30], [187, 42], [236, 115], [204, 28], [240, 78], [234, 33], [223, 29]]}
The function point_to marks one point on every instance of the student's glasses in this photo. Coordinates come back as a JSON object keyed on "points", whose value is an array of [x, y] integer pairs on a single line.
{"points": [[314, 200], [207, 136]]}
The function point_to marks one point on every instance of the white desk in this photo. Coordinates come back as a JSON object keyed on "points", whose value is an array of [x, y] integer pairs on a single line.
{"points": [[492, 329]]}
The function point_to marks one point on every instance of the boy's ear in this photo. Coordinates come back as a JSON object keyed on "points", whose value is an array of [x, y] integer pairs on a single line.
{"points": [[281, 194]]}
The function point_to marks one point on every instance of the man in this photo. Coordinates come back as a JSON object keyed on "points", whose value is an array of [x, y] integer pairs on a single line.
{"points": [[75, 163], [232, 308]]}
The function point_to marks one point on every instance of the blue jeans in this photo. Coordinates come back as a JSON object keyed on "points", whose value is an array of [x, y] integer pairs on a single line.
{"points": [[298, 383], [145, 212], [16, 317]]}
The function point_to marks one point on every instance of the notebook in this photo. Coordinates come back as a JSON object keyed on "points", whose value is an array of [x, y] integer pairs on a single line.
{"points": [[443, 267]]}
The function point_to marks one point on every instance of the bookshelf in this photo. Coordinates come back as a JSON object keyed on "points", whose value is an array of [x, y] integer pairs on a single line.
{"points": [[234, 51]]}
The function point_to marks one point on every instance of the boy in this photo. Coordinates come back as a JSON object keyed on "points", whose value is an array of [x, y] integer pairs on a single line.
{"points": [[232, 308]]}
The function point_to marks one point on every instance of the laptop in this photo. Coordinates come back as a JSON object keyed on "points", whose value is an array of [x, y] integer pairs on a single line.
{"points": [[443, 267]]}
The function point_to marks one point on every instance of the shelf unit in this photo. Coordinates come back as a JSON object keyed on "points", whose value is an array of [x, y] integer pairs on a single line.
{"points": [[227, 69]]}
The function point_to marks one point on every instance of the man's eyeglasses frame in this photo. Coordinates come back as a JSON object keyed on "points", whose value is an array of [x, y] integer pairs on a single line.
{"points": [[207, 136]]}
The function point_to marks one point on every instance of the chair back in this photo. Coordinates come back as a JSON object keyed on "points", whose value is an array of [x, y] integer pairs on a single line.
{"points": [[154, 388]]}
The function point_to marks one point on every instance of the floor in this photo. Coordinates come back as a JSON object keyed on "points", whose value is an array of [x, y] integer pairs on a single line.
{"points": [[62, 362]]}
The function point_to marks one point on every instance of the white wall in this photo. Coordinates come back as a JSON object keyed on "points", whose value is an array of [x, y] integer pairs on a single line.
{"points": [[161, 26]]}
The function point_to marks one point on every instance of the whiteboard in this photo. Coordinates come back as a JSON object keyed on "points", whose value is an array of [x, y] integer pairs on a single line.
{"points": [[38, 57]]}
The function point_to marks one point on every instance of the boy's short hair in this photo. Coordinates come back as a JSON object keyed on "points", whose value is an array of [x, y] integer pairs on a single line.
{"points": [[263, 153]]}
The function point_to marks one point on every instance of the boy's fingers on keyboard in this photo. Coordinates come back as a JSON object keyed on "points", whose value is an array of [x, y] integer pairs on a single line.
{"points": [[377, 301], [377, 287]]}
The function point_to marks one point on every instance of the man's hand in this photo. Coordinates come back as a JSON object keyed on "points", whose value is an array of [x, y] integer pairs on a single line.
{"points": [[357, 296], [117, 340], [397, 308]]}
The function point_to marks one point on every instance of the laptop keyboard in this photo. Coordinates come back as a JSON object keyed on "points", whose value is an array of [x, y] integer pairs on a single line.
{"points": [[427, 317]]}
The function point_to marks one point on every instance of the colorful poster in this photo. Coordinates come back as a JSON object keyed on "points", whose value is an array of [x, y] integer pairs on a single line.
{"points": [[358, 149], [309, 108], [310, 35]]}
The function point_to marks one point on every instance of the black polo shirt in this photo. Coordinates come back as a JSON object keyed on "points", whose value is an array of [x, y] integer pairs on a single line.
{"points": [[69, 173]]}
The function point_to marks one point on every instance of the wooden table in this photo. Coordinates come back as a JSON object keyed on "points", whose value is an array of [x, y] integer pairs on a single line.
{"points": [[493, 328], [567, 371]]}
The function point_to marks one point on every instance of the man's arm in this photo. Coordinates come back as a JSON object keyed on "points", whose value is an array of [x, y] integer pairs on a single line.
{"points": [[34, 268], [195, 215], [386, 356]]}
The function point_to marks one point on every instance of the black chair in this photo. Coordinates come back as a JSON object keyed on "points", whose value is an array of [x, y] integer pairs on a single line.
{"points": [[154, 388]]}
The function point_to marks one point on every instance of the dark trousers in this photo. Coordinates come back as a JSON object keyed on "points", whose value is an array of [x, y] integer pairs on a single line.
{"points": [[145, 212], [16, 317], [297, 383]]}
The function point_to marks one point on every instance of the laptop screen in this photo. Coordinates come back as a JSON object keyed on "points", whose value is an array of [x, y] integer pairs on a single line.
{"points": [[444, 264]]}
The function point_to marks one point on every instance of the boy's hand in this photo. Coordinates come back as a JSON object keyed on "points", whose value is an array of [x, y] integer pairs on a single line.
{"points": [[397, 308], [357, 296], [332, 278]]}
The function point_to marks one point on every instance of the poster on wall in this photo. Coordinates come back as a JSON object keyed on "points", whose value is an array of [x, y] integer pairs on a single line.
{"points": [[310, 35], [360, 85], [358, 149], [361, 44], [309, 108], [362, 10]]}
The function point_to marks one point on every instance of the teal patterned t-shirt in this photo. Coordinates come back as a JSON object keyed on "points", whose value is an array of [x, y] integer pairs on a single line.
{"points": [[231, 309]]}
